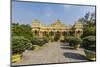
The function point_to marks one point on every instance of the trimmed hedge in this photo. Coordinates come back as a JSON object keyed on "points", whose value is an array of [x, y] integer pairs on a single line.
{"points": [[46, 39], [73, 40], [39, 41], [20, 44], [89, 43]]}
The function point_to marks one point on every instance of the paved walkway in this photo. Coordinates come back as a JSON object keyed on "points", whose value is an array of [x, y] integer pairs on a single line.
{"points": [[55, 52]]}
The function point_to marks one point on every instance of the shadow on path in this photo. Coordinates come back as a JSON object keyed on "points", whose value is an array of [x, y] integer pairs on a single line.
{"points": [[65, 46], [74, 56]]}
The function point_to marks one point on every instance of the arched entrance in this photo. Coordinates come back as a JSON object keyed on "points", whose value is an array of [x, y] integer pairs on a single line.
{"points": [[57, 36]]}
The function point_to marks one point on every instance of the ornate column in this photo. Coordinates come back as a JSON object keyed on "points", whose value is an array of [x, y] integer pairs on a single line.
{"points": [[35, 32], [48, 33], [54, 32], [75, 33], [61, 37], [61, 33], [40, 33]]}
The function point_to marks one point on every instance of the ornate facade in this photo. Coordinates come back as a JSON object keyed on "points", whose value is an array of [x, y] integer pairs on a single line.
{"points": [[57, 28]]}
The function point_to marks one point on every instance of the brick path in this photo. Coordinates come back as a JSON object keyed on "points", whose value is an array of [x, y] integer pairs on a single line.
{"points": [[55, 52]]}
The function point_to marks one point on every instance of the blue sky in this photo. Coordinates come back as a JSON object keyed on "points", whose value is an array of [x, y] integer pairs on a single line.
{"points": [[25, 12]]}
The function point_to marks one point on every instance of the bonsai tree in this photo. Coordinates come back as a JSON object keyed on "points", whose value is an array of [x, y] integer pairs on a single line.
{"points": [[46, 39], [39, 41], [66, 38], [89, 43], [73, 41]]}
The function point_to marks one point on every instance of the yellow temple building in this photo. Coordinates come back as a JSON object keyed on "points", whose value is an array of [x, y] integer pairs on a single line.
{"points": [[57, 28]]}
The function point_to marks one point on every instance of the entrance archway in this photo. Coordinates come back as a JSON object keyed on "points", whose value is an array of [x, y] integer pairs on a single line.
{"points": [[57, 36]]}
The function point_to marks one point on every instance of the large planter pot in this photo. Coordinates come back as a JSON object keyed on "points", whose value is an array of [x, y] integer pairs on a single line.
{"points": [[76, 46], [16, 57], [90, 55]]}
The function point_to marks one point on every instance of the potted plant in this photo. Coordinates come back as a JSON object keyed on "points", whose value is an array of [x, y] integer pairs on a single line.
{"points": [[73, 41], [19, 45], [89, 43]]}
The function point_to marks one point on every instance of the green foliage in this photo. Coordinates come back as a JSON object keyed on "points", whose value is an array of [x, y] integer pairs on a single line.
{"points": [[39, 41], [89, 43], [20, 44], [67, 34], [73, 40], [89, 24], [89, 31], [21, 30], [46, 39], [88, 20], [68, 38]]}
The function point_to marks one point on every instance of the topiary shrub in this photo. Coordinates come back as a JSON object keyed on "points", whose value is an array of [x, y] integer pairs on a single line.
{"points": [[34, 40], [39, 41], [89, 43], [20, 44], [73, 41], [46, 39], [66, 38]]}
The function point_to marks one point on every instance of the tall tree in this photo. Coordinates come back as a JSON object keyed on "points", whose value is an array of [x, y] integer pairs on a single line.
{"points": [[88, 19], [89, 24], [21, 30]]}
